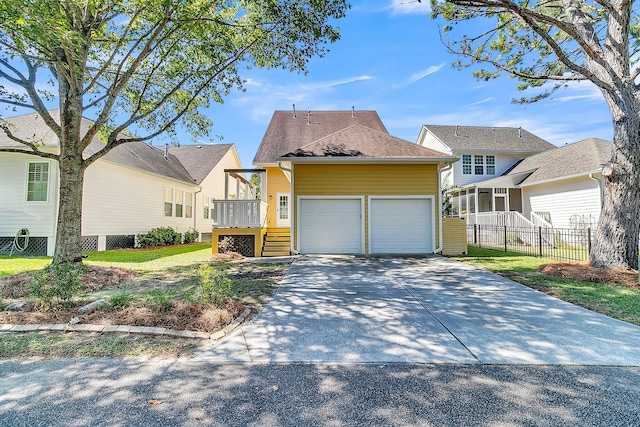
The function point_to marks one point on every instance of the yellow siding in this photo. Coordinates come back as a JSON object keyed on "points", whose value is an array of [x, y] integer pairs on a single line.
{"points": [[454, 236], [366, 180], [277, 182]]}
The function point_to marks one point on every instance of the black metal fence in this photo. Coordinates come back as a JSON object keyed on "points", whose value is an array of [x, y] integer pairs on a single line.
{"points": [[557, 243]]}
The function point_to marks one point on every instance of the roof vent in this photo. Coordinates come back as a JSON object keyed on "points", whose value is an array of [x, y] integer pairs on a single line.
{"points": [[353, 112], [519, 132], [294, 111], [456, 132], [309, 117], [166, 151]]}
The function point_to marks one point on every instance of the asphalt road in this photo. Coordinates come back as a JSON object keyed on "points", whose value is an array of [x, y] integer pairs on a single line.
{"points": [[114, 392]]}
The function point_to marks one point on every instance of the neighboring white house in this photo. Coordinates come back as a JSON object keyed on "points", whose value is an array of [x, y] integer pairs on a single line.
{"points": [[132, 189], [511, 170], [484, 152], [562, 186]]}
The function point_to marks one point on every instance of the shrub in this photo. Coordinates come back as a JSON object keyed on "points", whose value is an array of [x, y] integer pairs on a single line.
{"points": [[161, 299], [215, 286], [121, 300], [56, 284], [190, 236], [161, 236]]}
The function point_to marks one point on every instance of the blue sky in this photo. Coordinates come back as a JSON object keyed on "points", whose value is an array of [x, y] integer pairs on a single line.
{"points": [[390, 59]]}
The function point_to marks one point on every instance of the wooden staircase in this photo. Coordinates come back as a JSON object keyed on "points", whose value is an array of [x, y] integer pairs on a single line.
{"points": [[277, 242]]}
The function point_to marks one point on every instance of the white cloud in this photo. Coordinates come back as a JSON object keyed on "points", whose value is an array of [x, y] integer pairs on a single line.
{"points": [[409, 7], [482, 101], [263, 98], [583, 90], [424, 73]]}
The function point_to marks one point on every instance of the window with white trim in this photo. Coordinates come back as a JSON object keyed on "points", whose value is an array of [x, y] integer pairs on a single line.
{"points": [[466, 164], [38, 182], [188, 211], [168, 202], [205, 207], [491, 165], [179, 203], [479, 164]]}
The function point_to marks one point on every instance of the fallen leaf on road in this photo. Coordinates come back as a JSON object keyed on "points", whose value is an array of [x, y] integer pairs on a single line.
{"points": [[155, 402]]}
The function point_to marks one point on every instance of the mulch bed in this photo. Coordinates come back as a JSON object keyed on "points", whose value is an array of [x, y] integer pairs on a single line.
{"points": [[583, 272]]}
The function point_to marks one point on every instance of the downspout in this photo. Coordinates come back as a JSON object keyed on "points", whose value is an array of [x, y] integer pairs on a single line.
{"points": [[291, 204], [56, 204], [195, 211], [440, 239], [599, 188]]}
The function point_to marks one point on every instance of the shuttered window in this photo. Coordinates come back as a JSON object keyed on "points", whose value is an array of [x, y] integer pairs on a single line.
{"points": [[38, 182]]}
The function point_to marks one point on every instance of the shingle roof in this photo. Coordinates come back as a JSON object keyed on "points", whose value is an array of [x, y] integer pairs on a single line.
{"points": [[581, 157], [362, 141], [138, 155], [287, 133], [485, 138], [30, 127], [199, 160]]}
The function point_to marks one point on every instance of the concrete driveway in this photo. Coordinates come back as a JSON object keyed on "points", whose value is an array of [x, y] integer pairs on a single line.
{"points": [[421, 310]]}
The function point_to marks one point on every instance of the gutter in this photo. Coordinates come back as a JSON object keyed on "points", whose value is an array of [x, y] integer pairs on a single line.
{"points": [[372, 160]]}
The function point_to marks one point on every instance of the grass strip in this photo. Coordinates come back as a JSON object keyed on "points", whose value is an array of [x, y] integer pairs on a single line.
{"points": [[619, 302], [71, 345]]}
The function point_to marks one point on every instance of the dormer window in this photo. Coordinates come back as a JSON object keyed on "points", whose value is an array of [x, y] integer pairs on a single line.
{"points": [[466, 164], [491, 165], [481, 165]]}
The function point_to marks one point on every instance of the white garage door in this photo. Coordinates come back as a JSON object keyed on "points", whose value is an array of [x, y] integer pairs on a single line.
{"points": [[330, 226], [400, 225]]}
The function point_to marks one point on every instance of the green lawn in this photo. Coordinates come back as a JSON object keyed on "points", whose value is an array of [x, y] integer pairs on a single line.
{"points": [[616, 301], [139, 260], [14, 265], [152, 259]]}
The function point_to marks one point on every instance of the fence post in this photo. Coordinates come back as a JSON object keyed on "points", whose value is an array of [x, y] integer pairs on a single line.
{"points": [[589, 240], [540, 239], [505, 238], [479, 243], [475, 234]]}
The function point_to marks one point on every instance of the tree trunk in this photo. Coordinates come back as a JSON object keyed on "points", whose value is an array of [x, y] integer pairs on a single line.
{"points": [[69, 226], [616, 238]]}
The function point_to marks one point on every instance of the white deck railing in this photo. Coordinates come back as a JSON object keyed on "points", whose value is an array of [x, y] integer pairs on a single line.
{"points": [[239, 213], [539, 221], [499, 219], [517, 222]]}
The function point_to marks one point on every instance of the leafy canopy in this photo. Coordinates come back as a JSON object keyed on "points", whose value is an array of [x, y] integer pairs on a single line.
{"points": [[537, 41], [152, 63]]}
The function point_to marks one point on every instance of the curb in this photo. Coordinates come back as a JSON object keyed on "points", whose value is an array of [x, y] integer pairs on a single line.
{"points": [[141, 330]]}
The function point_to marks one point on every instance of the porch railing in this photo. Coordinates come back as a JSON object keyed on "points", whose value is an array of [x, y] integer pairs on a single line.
{"points": [[518, 222], [239, 213], [499, 219]]}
